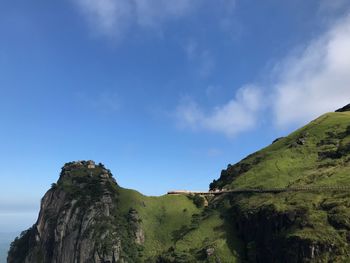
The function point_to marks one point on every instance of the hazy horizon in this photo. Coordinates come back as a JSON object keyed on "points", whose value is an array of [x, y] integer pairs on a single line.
{"points": [[5, 240]]}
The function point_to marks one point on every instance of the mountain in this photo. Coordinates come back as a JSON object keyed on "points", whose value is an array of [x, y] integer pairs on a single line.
{"points": [[87, 217], [296, 226]]}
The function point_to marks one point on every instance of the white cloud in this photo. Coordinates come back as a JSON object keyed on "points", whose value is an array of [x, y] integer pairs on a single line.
{"points": [[110, 17], [238, 115], [326, 7], [153, 12], [114, 17], [309, 82], [316, 79]]}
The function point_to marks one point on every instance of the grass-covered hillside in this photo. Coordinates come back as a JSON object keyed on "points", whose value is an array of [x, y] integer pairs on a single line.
{"points": [[87, 217], [317, 154], [177, 230], [296, 227]]}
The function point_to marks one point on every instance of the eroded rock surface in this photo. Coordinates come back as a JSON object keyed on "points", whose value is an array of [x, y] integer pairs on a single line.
{"points": [[78, 221]]}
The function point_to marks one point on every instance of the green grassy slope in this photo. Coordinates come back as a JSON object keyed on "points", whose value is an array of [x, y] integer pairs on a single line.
{"points": [[291, 162], [302, 158], [160, 217], [164, 229], [213, 232], [315, 155], [164, 216]]}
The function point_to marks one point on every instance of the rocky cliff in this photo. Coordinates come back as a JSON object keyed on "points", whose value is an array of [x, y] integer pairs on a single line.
{"points": [[79, 221], [86, 217]]}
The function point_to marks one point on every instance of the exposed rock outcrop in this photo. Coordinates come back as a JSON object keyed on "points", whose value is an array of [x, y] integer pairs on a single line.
{"points": [[264, 233], [345, 108], [134, 222], [78, 221]]}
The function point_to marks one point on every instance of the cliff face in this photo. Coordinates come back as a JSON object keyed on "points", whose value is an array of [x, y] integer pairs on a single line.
{"points": [[78, 221], [272, 236]]}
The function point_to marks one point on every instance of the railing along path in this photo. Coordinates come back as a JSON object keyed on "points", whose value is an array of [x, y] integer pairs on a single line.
{"points": [[262, 190]]}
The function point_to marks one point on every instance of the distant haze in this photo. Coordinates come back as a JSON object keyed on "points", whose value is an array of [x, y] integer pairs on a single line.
{"points": [[17, 222], [5, 240]]}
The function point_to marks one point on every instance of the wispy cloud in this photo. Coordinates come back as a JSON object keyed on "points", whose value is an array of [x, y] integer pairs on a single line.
{"points": [[108, 17], [114, 17], [314, 80], [327, 7], [237, 115], [201, 59], [308, 82], [152, 13]]}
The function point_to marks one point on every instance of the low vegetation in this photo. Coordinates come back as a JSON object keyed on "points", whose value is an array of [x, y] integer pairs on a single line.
{"points": [[170, 221], [315, 223]]}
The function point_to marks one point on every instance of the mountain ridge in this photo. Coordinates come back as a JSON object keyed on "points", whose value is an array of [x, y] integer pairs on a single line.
{"points": [[289, 227]]}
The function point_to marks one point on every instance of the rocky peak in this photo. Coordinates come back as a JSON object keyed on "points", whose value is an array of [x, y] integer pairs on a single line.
{"points": [[79, 221], [345, 108], [84, 168]]}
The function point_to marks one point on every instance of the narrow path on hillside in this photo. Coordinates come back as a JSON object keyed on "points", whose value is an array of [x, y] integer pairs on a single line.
{"points": [[264, 190]]}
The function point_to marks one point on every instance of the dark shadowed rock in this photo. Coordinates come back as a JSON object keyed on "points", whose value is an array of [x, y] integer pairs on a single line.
{"points": [[345, 108], [278, 139]]}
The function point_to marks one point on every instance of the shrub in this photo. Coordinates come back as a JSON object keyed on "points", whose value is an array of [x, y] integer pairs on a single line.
{"points": [[198, 201]]}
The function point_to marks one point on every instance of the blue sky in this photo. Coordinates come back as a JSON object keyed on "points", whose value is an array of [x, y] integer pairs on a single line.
{"points": [[164, 93]]}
